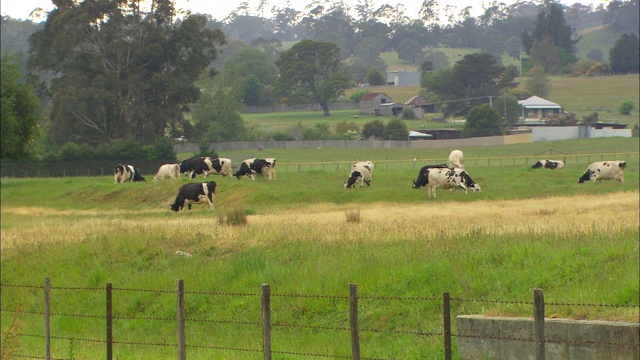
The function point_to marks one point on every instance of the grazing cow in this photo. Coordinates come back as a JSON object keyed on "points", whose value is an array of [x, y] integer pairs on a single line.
{"points": [[218, 166], [168, 171], [359, 172], [423, 176], [251, 167], [446, 178], [604, 170], [548, 164], [124, 173], [194, 166], [456, 159], [195, 193], [367, 164]]}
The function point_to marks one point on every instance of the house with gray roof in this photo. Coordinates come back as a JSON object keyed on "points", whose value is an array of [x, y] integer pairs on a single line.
{"points": [[537, 108]]}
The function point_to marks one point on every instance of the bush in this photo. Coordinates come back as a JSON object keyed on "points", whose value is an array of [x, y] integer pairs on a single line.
{"points": [[373, 128], [626, 107], [356, 96], [281, 136], [70, 152], [407, 113]]}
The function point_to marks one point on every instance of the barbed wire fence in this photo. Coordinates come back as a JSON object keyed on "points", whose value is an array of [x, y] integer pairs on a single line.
{"points": [[266, 324]]}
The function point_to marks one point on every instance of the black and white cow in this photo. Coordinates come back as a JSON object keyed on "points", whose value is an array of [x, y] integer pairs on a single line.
{"points": [[548, 164], [252, 167], [423, 176], [168, 171], [446, 178], [218, 166], [195, 193], [604, 170], [124, 173], [360, 172], [194, 166]]}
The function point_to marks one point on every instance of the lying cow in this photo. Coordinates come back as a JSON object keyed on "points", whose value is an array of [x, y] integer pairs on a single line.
{"points": [[360, 172], [456, 159], [195, 193], [445, 178], [548, 164], [124, 173], [252, 167], [604, 170], [168, 171]]}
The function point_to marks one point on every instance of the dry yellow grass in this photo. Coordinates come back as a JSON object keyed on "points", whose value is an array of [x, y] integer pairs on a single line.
{"points": [[571, 215]]}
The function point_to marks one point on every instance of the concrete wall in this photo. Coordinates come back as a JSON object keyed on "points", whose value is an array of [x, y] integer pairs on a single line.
{"points": [[482, 337], [554, 133], [600, 133]]}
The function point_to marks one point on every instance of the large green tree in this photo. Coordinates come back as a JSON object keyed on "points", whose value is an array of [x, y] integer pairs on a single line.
{"points": [[312, 71], [552, 27], [624, 56], [483, 120], [20, 113], [469, 83], [121, 68]]}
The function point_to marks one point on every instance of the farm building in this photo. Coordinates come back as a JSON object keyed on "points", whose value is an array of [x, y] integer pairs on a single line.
{"points": [[420, 106], [537, 109], [370, 103], [404, 78]]}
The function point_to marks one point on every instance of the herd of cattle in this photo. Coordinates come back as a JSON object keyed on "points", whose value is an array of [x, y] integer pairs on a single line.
{"points": [[440, 176]]}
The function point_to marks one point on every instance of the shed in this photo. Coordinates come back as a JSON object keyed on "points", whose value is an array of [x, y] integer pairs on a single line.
{"points": [[421, 106], [537, 108], [404, 78], [370, 103]]}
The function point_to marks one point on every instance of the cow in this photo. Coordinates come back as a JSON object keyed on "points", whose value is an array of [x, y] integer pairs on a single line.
{"points": [[423, 176], [445, 178], [194, 166], [359, 172], [218, 166], [168, 171], [124, 173], [367, 164], [195, 193], [604, 170], [548, 164], [251, 167], [456, 159]]}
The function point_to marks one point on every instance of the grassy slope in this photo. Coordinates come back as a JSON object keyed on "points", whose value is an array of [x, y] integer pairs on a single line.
{"points": [[86, 232]]}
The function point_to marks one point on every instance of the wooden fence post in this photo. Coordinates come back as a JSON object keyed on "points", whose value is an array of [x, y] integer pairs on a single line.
{"points": [[182, 346], [47, 318], [538, 323], [109, 321], [265, 312], [353, 319], [446, 306]]}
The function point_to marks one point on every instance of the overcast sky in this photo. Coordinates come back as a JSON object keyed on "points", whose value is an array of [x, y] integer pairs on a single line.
{"points": [[20, 9]]}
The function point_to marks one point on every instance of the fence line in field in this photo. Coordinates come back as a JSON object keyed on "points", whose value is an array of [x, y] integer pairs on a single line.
{"points": [[354, 329], [149, 169]]}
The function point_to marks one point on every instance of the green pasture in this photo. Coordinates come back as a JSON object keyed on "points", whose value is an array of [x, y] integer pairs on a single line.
{"points": [[579, 95], [401, 277]]}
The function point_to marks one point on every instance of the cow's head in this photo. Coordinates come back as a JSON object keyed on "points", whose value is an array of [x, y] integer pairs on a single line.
{"points": [[175, 207], [586, 176], [537, 165], [351, 182], [468, 181], [423, 178]]}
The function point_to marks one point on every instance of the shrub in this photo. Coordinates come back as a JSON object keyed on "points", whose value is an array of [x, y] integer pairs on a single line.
{"points": [[407, 113], [373, 128], [281, 136], [70, 152], [356, 96], [235, 216], [626, 107], [353, 216]]}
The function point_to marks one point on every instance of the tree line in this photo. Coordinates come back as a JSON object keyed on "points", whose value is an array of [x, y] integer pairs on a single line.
{"points": [[103, 71]]}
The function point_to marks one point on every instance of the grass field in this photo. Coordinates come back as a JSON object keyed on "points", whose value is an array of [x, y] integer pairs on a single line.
{"points": [[526, 229]]}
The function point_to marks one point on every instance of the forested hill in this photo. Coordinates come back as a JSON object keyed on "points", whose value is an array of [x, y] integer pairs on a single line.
{"points": [[497, 31]]}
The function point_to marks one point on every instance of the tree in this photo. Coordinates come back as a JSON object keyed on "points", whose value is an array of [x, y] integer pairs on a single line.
{"points": [[509, 108], [20, 113], [376, 77], [312, 71], [624, 56], [483, 120], [409, 50], [626, 107], [396, 129], [537, 82], [551, 24], [469, 83], [120, 69], [373, 128], [250, 70], [217, 114]]}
